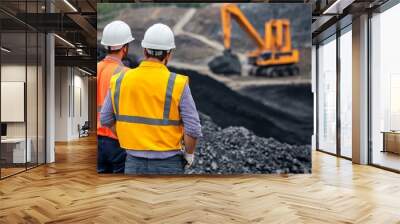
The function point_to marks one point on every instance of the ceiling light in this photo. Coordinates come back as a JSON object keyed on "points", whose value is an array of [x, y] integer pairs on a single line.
{"points": [[333, 6], [338, 6], [70, 5], [65, 41], [79, 51], [84, 71], [5, 50]]}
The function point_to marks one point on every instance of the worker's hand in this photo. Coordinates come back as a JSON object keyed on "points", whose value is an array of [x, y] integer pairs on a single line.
{"points": [[189, 159]]}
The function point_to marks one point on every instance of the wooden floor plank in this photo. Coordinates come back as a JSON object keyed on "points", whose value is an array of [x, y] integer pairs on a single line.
{"points": [[70, 191]]}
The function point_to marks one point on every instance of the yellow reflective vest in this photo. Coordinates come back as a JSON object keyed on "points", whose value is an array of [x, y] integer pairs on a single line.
{"points": [[146, 106]]}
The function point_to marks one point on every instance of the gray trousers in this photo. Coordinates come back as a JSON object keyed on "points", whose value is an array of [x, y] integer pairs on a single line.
{"points": [[138, 165]]}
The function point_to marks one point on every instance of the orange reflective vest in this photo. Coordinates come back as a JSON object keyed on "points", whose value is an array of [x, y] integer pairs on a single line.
{"points": [[146, 106], [105, 70]]}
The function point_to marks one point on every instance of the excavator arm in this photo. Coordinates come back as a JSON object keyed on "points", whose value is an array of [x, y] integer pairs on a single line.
{"points": [[229, 11]]}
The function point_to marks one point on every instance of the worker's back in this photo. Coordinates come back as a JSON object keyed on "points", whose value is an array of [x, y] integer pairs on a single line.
{"points": [[105, 70], [146, 103]]}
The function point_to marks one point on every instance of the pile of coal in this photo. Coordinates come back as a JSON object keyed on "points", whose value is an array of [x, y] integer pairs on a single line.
{"points": [[226, 64], [228, 107], [236, 150]]}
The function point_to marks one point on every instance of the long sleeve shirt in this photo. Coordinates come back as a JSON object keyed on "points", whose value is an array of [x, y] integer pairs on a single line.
{"points": [[188, 113]]}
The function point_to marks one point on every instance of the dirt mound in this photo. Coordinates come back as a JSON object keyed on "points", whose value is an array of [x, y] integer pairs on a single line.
{"points": [[236, 150]]}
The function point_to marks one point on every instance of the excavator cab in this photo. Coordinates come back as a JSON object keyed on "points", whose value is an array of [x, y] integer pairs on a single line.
{"points": [[265, 56], [274, 55], [277, 58]]}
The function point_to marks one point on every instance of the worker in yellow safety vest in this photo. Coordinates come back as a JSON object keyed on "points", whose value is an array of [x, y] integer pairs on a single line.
{"points": [[116, 37], [153, 110]]}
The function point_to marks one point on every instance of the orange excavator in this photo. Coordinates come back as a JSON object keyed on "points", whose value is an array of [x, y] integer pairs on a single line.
{"points": [[274, 55]]}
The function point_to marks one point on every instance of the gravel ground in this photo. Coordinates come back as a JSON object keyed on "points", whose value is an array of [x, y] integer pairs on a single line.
{"points": [[236, 150]]}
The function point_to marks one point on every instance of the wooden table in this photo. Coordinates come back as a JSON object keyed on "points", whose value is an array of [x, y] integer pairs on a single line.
{"points": [[391, 141], [13, 150]]}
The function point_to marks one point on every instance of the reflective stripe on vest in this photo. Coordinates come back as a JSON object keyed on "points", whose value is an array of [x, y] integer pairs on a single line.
{"points": [[144, 120]]}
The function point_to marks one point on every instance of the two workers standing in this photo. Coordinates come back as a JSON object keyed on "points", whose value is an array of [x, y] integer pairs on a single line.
{"points": [[147, 112]]}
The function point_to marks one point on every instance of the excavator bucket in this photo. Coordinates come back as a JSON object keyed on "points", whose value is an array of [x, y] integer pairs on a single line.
{"points": [[226, 64]]}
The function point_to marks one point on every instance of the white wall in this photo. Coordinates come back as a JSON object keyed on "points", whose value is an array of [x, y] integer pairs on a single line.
{"points": [[12, 73], [71, 94], [80, 109], [33, 127], [61, 103]]}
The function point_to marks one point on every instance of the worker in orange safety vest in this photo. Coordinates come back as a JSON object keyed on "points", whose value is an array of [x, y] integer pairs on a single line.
{"points": [[116, 37]]}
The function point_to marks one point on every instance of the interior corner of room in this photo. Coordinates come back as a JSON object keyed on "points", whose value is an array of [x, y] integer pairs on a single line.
{"points": [[47, 79], [357, 78]]}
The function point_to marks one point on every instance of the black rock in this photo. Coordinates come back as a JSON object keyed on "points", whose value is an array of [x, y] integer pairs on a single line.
{"points": [[236, 150], [226, 64]]}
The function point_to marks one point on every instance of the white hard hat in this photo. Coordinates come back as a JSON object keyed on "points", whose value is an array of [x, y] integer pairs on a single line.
{"points": [[116, 34], [159, 37]]}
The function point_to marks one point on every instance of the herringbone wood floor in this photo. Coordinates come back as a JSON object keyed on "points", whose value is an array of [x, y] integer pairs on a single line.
{"points": [[70, 191]]}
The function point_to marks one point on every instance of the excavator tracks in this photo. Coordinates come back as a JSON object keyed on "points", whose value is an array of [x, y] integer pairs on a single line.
{"points": [[275, 71]]}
